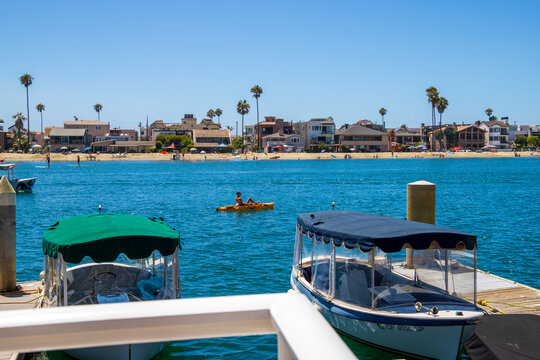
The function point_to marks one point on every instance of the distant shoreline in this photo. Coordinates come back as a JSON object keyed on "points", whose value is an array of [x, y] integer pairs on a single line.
{"points": [[12, 157]]}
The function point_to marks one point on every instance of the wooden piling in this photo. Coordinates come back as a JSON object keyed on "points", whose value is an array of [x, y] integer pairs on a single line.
{"points": [[8, 273], [420, 206]]}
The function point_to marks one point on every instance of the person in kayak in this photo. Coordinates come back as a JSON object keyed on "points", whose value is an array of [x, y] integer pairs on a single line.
{"points": [[239, 200]]}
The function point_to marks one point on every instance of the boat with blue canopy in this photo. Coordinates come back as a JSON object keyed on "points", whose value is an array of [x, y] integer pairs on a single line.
{"points": [[405, 286], [119, 258]]}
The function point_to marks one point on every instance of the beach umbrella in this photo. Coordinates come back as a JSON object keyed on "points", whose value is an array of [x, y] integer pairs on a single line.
{"points": [[222, 146], [36, 146], [87, 148], [192, 149], [488, 147], [203, 152], [76, 150], [63, 148], [456, 148], [170, 146], [279, 147], [422, 147]]}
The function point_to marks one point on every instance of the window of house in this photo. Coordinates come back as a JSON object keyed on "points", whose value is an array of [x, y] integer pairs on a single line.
{"points": [[98, 127]]}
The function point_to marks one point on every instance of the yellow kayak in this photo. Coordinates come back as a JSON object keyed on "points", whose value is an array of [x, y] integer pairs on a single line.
{"points": [[261, 206]]}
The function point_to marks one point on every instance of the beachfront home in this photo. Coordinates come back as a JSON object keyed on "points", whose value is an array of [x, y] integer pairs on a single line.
{"points": [[496, 133], [119, 135], [95, 128], [210, 139], [403, 137], [470, 137], [270, 125], [283, 142], [362, 138], [515, 131], [6, 142], [187, 124], [70, 139], [315, 131]]}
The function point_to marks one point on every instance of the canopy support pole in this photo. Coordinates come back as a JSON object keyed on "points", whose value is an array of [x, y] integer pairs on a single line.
{"points": [[420, 207], [372, 262]]}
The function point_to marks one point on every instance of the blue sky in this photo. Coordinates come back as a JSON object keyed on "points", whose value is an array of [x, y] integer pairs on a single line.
{"points": [[344, 59]]}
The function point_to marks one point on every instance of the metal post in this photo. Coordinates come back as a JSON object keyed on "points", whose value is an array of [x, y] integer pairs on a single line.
{"points": [[475, 277], [420, 206], [372, 262], [8, 250]]}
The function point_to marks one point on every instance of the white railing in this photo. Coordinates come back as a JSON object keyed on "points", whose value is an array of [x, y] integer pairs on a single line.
{"points": [[302, 332]]}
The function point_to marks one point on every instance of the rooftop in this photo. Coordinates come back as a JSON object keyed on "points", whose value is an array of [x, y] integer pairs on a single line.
{"points": [[84, 122], [67, 132]]}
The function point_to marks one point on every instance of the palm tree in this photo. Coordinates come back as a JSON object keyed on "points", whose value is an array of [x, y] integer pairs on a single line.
{"points": [[257, 91], [382, 111], [242, 108], [98, 108], [218, 113], [489, 113], [19, 123], [211, 114], [433, 96], [26, 80], [442, 104], [40, 107]]}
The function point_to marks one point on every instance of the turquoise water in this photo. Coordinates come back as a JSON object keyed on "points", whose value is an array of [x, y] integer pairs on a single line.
{"points": [[248, 253]]}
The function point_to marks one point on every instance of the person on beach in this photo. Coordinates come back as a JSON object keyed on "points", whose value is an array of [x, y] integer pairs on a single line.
{"points": [[78, 160], [239, 200], [48, 161]]}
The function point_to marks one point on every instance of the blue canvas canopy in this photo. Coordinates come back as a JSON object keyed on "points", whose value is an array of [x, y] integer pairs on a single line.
{"points": [[367, 231]]}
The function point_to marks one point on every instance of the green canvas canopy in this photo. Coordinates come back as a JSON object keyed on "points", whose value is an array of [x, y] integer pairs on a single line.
{"points": [[105, 236]]}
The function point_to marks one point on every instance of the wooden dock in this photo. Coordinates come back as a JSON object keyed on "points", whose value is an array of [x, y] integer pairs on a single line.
{"points": [[507, 296], [27, 298]]}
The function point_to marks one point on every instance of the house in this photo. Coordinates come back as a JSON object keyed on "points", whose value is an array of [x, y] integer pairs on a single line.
{"points": [[405, 136], [315, 131], [286, 141], [210, 139], [119, 135], [5, 143], [69, 138], [270, 125], [187, 124], [362, 138], [496, 133], [470, 137], [95, 128], [515, 131]]}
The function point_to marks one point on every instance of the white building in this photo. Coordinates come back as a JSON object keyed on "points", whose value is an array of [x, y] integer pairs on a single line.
{"points": [[496, 133], [315, 131]]}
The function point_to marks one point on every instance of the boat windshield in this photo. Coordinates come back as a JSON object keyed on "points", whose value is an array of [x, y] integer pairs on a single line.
{"points": [[123, 280], [385, 280]]}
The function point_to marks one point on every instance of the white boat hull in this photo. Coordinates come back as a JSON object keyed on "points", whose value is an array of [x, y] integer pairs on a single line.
{"points": [[423, 341], [435, 342], [121, 352]]}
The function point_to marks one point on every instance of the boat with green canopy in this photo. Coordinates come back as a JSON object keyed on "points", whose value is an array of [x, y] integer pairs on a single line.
{"points": [[116, 258]]}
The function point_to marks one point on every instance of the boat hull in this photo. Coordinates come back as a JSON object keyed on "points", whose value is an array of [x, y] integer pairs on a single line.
{"points": [[250, 207], [129, 352], [23, 185], [421, 340]]}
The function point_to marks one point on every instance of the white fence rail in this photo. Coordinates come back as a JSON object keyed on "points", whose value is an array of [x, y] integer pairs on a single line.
{"points": [[302, 331]]}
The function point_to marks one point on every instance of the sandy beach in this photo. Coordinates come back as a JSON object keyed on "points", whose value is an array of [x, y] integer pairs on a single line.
{"points": [[13, 157]]}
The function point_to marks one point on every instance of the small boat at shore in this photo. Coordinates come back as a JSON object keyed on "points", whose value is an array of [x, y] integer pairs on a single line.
{"points": [[20, 185], [121, 258], [405, 286], [247, 207]]}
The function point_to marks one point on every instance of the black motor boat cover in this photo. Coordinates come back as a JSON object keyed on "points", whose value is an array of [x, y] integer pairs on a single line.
{"points": [[505, 337]]}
